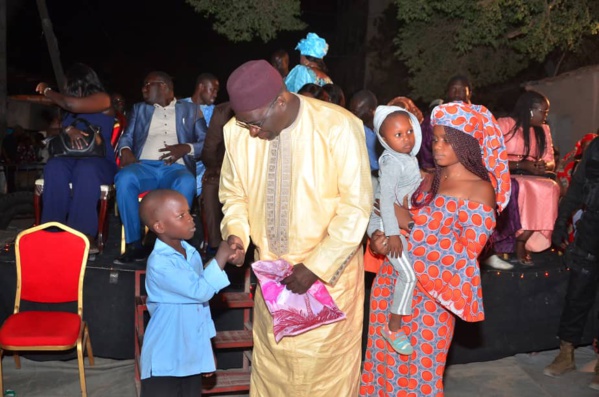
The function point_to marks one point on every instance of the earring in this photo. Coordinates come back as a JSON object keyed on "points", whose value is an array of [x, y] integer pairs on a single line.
{"points": [[531, 114]]}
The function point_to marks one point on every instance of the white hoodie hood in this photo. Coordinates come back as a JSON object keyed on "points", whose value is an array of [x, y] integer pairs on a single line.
{"points": [[382, 112]]}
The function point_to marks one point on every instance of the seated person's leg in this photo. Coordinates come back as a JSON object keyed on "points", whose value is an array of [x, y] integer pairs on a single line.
{"points": [[88, 175], [57, 193], [130, 182], [178, 177], [522, 253]]}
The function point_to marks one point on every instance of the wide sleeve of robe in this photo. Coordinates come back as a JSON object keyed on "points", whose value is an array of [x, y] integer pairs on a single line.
{"points": [[447, 238]]}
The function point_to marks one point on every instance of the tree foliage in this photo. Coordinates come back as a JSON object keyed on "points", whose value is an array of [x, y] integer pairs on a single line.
{"points": [[244, 20], [489, 40]]}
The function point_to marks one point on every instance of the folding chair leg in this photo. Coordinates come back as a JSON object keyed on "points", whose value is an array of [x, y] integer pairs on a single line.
{"points": [[102, 219], [123, 241], [123, 244], [17, 364], [81, 366], [37, 208], [1, 376], [88, 346]]}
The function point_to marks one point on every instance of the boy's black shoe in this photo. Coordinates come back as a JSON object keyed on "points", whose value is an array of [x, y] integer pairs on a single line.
{"points": [[132, 254]]}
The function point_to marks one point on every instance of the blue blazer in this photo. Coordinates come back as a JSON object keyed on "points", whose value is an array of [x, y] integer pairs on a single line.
{"points": [[190, 129]]}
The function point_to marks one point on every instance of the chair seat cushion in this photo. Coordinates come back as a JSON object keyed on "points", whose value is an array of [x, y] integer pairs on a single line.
{"points": [[37, 328]]}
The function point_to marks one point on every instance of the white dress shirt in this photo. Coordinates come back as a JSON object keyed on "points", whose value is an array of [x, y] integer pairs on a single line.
{"points": [[162, 132]]}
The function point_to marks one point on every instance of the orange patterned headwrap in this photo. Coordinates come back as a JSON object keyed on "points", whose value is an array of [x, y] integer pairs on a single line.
{"points": [[477, 121]]}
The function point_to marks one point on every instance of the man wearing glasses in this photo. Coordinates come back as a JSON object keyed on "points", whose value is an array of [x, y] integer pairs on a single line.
{"points": [[296, 180], [158, 149]]}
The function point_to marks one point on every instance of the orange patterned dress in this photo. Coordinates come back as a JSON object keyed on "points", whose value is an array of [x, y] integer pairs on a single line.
{"points": [[445, 242]]}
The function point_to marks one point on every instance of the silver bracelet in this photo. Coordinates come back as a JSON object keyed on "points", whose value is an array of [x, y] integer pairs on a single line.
{"points": [[46, 90]]}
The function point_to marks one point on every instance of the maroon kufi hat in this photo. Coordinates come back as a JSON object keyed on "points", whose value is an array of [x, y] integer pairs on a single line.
{"points": [[253, 85]]}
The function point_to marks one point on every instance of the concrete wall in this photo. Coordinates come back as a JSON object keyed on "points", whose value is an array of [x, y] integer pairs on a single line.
{"points": [[574, 98]]}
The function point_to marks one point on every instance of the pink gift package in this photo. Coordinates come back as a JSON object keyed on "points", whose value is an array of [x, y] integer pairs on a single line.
{"points": [[292, 313]]}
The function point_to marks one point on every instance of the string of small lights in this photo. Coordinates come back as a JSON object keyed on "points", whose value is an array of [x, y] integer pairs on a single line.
{"points": [[523, 274], [528, 272]]}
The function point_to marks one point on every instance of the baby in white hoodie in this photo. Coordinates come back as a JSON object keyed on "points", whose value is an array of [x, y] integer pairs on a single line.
{"points": [[399, 176]]}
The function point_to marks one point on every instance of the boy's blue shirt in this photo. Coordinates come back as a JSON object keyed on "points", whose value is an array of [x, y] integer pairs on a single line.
{"points": [[177, 339]]}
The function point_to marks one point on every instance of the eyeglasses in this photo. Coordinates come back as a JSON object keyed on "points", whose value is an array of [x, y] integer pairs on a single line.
{"points": [[258, 124], [149, 83]]}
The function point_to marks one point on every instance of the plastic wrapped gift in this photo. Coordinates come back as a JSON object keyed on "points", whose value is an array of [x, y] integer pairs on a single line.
{"points": [[292, 313]]}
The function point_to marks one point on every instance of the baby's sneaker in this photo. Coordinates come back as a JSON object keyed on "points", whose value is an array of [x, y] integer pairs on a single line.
{"points": [[398, 340]]}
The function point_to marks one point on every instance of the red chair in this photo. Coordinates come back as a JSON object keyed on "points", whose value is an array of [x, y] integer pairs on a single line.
{"points": [[50, 269]]}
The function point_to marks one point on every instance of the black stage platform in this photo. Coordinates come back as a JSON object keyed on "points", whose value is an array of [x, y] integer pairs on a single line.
{"points": [[522, 307], [522, 311]]}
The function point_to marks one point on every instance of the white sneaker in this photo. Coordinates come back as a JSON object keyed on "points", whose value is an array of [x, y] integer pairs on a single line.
{"points": [[497, 263]]}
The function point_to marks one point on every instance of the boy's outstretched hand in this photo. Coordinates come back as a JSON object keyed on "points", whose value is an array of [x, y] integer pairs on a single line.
{"points": [[229, 253], [223, 254], [237, 256]]}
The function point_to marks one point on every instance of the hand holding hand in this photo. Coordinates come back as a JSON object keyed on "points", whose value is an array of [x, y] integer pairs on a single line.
{"points": [[300, 280], [378, 243], [172, 153], [395, 246], [224, 254], [236, 246]]}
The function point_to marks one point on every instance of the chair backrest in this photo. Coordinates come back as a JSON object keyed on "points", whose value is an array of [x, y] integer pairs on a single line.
{"points": [[51, 264], [117, 130]]}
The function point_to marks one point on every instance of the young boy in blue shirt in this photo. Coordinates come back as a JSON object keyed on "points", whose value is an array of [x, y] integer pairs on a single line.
{"points": [[176, 348]]}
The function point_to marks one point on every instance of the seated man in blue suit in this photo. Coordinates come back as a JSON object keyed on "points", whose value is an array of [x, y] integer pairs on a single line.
{"points": [[158, 150]]}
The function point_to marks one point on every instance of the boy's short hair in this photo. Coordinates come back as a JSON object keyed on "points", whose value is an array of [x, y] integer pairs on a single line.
{"points": [[149, 208]]}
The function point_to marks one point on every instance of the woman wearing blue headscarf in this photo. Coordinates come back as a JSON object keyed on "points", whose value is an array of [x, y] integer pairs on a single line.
{"points": [[311, 68]]}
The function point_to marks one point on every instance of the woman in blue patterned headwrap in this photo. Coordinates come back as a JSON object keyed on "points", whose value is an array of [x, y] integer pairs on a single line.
{"points": [[311, 68]]}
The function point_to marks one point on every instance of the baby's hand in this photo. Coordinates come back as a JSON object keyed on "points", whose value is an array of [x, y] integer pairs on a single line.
{"points": [[395, 246], [223, 254]]}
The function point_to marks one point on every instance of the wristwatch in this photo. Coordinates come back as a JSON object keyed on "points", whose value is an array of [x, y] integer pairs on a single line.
{"points": [[410, 225]]}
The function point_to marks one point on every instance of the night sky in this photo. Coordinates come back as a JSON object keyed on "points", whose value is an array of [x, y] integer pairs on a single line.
{"points": [[124, 40]]}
